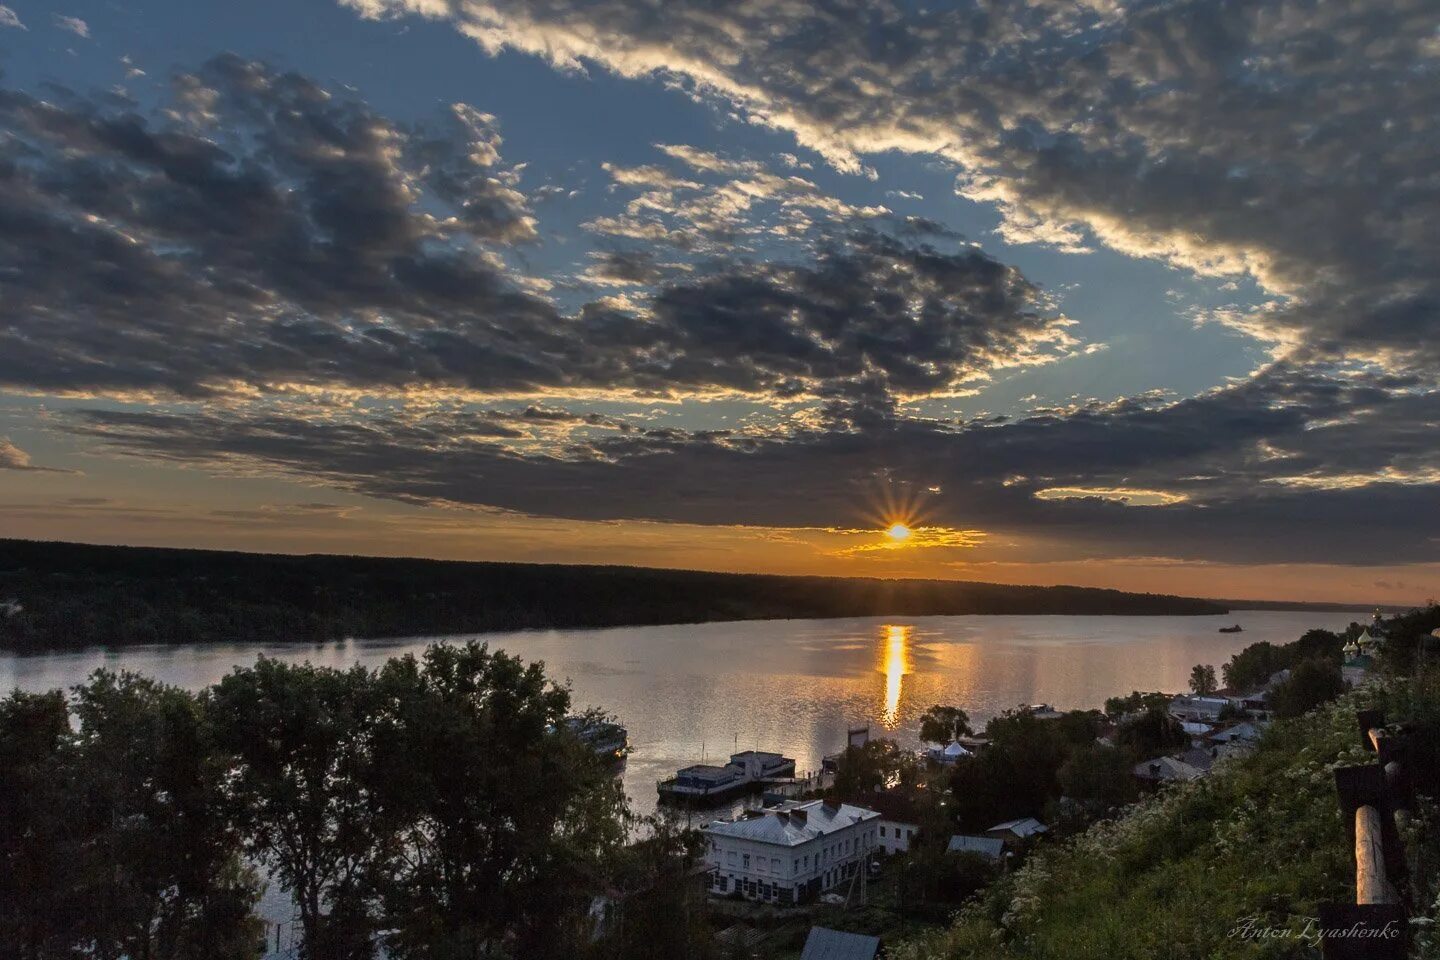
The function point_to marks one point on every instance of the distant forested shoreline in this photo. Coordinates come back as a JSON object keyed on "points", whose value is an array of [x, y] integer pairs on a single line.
{"points": [[77, 595]]}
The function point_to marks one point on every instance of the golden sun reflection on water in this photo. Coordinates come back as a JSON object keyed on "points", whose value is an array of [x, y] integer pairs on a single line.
{"points": [[895, 664]]}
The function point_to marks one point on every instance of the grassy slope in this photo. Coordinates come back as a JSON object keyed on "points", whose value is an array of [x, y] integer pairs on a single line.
{"points": [[1172, 879]]}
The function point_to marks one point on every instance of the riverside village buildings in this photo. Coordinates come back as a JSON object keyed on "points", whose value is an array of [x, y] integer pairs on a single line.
{"points": [[791, 854]]}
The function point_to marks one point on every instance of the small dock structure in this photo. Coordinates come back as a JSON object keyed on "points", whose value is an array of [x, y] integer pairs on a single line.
{"points": [[608, 739], [746, 772]]}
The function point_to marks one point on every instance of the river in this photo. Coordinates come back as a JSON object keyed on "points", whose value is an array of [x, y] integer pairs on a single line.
{"points": [[698, 691]]}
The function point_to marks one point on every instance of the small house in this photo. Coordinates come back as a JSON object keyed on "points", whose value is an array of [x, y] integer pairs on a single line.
{"points": [[899, 820], [1198, 709], [1244, 730], [991, 848], [1017, 830], [826, 944], [1166, 770]]}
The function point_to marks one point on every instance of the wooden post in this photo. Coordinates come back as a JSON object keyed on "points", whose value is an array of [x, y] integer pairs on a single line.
{"points": [[1372, 884]]}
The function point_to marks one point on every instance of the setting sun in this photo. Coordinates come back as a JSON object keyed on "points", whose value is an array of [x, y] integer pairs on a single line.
{"points": [[898, 532]]}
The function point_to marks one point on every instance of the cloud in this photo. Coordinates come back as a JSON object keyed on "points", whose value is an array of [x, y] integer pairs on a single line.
{"points": [[73, 24], [985, 477], [722, 204], [13, 458], [1294, 145], [266, 235], [9, 18]]}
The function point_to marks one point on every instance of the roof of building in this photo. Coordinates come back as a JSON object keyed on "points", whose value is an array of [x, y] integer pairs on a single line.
{"points": [[1023, 827], [709, 771], [1244, 730], [1166, 768], [793, 824], [895, 807], [991, 848], [762, 754], [826, 944], [1199, 758]]}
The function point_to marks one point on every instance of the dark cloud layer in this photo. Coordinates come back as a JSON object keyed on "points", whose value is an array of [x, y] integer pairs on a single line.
{"points": [[1292, 464], [269, 234]]}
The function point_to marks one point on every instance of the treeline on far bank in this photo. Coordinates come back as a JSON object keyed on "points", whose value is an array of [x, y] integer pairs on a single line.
{"points": [[434, 809], [75, 595]]}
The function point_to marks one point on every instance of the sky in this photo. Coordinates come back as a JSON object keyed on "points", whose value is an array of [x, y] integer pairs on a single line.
{"points": [[1136, 295]]}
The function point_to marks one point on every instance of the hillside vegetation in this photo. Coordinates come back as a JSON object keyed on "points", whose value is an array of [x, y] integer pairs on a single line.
{"points": [[1232, 865], [79, 595]]}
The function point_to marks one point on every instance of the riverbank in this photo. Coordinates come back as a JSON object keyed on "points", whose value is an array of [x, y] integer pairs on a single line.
{"points": [[68, 596], [1232, 865]]}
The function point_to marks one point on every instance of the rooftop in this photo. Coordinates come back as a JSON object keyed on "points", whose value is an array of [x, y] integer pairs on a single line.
{"points": [[708, 771], [794, 824], [991, 848], [1023, 827], [826, 944]]}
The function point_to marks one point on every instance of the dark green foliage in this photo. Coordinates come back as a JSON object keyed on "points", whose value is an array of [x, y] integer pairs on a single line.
{"points": [[120, 846], [876, 764], [656, 907], [1098, 777], [943, 724], [947, 879], [1202, 680], [301, 741], [40, 905], [438, 807], [506, 827], [1150, 734], [1257, 663], [1311, 683], [1117, 707], [1181, 871], [1017, 775], [76, 595]]}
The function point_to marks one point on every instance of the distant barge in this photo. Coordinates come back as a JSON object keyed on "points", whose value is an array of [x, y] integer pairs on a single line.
{"points": [[1235, 629], [745, 773]]}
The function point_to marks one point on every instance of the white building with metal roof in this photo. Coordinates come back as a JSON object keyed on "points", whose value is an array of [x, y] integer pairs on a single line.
{"points": [[791, 854]]}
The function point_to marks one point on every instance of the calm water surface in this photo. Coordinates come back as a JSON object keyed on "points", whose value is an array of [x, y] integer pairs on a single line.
{"points": [[693, 691]]}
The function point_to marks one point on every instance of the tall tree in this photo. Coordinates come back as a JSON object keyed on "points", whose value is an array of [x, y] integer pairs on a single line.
{"points": [[509, 820], [1202, 680], [942, 724], [1311, 683], [159, 867], [40, 905], [656, 908], [872, 766], [301, 738]]}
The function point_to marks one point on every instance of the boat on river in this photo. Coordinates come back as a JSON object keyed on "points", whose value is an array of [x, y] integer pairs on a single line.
{"points": [[746, 772], [1235, 629]]}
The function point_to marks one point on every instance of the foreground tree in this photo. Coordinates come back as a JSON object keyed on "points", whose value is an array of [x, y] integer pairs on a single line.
{"points": [[1311, 683], [1202, 680], [1098, 777], [874, 765], [656, 903], [300, 738], [40, 905], [941, 724], [1150, 734], [123, 850], [507, 822]]}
